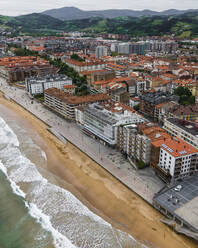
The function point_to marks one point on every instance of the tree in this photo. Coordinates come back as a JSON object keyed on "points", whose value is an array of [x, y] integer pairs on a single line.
{"points": [[141, 164], [181, 91], [25, 52], [79, 81], [76, 57], [186, 97], [114, 54], [137, 107]]}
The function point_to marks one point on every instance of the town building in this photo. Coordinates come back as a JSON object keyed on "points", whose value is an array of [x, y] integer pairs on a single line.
{"points": [[150, 100], [98, 75], [189, 112], [70, 89], [101, 51], [185, 130], [118, 93], [135, 140], [173, 159], [18, 68], [133, 144], [85, 66], [102, 120], [65, 104], [37, 85], [164, 110], [134, 101]]}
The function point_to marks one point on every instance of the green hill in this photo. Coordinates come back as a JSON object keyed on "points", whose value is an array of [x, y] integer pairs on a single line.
{"points": [[184, 25]]}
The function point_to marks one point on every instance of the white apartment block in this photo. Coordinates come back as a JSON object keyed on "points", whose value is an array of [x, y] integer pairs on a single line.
{"points": [[182, 129], [101, 51], [37, 85], [103, 123], [177, 162]]}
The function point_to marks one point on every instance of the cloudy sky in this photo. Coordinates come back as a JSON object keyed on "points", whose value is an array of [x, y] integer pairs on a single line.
{"points": [[18, 7]]}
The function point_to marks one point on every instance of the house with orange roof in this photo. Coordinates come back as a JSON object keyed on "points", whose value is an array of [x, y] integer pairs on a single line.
{"points": [[167, 76]]}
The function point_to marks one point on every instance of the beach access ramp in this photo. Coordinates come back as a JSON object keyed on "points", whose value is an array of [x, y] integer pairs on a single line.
{"points": [[58, 135]]}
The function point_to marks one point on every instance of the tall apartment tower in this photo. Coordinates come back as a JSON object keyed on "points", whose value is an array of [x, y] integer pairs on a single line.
{"points": [[101, 51]]}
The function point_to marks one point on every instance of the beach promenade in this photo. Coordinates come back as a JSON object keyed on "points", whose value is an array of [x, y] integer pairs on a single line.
{"points": [[144, 182]]}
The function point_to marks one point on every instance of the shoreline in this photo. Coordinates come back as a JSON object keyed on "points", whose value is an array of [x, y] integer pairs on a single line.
{"points": [[102, 190]]}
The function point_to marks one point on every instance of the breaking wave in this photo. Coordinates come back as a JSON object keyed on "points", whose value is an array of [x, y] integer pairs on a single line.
{"points": [[58, 211]]}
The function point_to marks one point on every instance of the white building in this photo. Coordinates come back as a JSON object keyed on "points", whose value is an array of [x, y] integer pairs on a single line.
{"points": [[177, 159], [134, 101], [185, 130], [101, 51], [124, 48], [103, 123], [37, 85], [79, 115]]}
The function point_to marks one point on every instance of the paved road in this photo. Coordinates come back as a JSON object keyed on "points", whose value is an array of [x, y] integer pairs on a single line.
{"points": [[143, 182]]}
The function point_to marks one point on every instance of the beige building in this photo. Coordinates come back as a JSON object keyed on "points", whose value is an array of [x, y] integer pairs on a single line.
{"points": [[98, 75], [65, 104]]}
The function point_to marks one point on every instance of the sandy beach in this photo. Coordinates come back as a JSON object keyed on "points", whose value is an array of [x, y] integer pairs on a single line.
{"points": [[97, 189]]}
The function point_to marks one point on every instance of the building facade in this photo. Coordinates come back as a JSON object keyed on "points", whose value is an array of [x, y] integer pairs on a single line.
{"points": [[37, 85], [101, 51], [103, 123], [187, 131], [65, 104], [177, 159]]}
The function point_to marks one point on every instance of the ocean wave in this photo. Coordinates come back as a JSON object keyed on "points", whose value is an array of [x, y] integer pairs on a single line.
{"points": [[60, 241], [56, 209]]}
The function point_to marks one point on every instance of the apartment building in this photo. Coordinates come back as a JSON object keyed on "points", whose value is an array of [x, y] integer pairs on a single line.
{"points": [[173, 159], [101, 51], [185, 130], [164, 110], [98, 75], [18, 68], [37, 85], [133, 144], [103, 122], [65, 104], [135, 140], [85, 66], [150, 100]]}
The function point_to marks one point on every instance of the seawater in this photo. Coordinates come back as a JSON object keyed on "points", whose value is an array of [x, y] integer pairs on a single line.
{"points": [[37, 213]]}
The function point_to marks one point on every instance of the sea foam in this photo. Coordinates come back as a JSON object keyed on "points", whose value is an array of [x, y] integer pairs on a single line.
{"points": [[56, 209]]}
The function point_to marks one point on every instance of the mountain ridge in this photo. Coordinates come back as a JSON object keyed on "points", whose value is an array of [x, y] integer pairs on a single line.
{"points": [[183, 26], [73, 13]]}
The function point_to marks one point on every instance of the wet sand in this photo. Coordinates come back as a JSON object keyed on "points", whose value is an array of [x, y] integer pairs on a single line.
{"points": [[95, 187]]}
